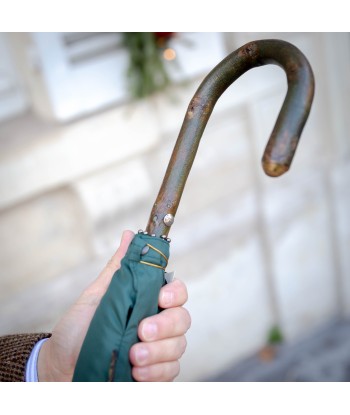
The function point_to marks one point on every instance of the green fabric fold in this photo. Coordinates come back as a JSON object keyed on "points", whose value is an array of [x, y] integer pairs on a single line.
{"points": [[131, 296]]}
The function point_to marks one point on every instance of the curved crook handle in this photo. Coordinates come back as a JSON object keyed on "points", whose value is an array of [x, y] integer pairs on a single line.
{"points": [[284, 138]]}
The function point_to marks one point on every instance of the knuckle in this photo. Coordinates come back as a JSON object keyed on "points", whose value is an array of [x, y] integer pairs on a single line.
{"points": [[183, 345], [171, 323], [167, 320], [182, 292], [168, 371], [162, 372], [179, 347], [176, 370], [176, 320], [111, 265], [186, 318], [185, 292], [90, 297]]}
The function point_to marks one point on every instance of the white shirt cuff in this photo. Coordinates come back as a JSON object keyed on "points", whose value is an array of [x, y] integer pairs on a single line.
{"points": [[32, 363]]}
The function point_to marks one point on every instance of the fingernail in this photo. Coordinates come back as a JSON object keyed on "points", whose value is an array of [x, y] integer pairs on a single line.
{"points": [[167, 298], [141, 355], [149, 331], [142, 373]]}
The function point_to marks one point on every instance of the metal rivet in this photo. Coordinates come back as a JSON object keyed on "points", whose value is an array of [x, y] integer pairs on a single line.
{"points": [[145, 249], [153, 234], [168, 219], [145, 233], [140, 231], [163, 236], [168, 239]]}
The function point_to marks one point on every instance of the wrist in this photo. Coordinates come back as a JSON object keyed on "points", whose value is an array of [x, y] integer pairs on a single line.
{"points": [[44, 372]]}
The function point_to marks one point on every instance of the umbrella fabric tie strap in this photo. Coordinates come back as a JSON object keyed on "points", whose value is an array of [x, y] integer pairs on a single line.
{"points": [[159, 252], [132, 295]]}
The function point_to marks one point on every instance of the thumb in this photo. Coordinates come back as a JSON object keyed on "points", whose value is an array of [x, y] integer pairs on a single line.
{"points": [[100, 285], [114, 262]]}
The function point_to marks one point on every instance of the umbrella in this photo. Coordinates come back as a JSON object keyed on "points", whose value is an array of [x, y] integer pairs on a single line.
{"points": [[134, 289]]}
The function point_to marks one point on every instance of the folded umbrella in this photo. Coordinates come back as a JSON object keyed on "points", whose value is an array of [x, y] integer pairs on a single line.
{"points": [[134, 289]]}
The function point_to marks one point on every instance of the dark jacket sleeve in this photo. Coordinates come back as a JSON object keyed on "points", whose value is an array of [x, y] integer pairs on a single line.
{"points": [[14, 353]]}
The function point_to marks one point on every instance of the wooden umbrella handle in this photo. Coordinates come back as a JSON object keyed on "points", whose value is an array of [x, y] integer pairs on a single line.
{"points": [[280, 149]]}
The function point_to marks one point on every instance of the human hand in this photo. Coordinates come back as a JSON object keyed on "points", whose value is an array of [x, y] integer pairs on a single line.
{"points": [[155, 358], [163, 341]]}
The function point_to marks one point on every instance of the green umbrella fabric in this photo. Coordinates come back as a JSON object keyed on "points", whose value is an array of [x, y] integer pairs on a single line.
{"points": [[131, 296]]}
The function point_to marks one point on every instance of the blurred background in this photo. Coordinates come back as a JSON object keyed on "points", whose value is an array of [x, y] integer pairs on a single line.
{"points": [[87, 126]]}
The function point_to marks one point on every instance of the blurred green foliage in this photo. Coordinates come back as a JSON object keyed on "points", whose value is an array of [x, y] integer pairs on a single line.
{"points": [[146, 73], [275, 336]]}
